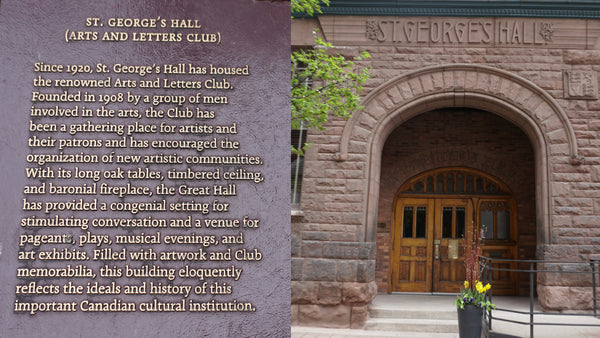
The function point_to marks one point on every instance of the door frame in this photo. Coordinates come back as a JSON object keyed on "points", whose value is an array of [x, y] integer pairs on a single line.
{"points": [[416, 189]]}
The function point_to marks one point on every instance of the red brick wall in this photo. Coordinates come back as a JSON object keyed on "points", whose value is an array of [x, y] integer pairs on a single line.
{"points": [[457, 137]]}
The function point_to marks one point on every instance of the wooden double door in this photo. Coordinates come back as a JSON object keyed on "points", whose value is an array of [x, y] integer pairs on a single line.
{"points": [[433, 214], [428, 247]]}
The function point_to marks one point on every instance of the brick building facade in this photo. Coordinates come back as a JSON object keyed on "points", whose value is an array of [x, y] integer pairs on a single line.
{"points": [[472, 115]]}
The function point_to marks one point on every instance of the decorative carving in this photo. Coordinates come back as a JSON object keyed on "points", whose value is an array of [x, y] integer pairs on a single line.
{"points": [[547, 31], [580, 84], [371, 30]]}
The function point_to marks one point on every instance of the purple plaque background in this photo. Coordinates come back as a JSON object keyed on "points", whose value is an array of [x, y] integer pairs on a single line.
{"points": [[254, 33]]}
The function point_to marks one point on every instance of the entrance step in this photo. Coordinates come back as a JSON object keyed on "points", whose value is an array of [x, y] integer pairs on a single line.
{"points": [[412, 314], [378, 312], [413, 325]]}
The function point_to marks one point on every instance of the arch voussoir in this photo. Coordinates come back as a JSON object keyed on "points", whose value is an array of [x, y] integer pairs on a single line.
{"points": [[437, 80], [543, 112], [395, 94], [427, 83], [405, 91], [483, 82], [523, 98], [415, 86], [462, 80], [368, 121], [448, 79], [386, 101], [471, 81], [495, 83]]}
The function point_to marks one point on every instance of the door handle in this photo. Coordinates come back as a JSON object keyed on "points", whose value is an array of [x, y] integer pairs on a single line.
{"points": [[436, 250]]}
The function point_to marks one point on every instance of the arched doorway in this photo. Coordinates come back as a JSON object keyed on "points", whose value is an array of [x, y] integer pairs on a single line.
{"points": [[460, 167], [433, 214], [528, 108], [401, 98]]}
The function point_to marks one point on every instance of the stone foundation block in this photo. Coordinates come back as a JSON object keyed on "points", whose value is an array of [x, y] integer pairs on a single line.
{"points": [[581, 298], [365, 271], [297, 264], [346, 271], [319, 269], [564, 298], [557, 252], [359, 293], [304, 292], [552, 297], [294, 314], [330, 293], [332, 316], [359, 316], [567, 274]]}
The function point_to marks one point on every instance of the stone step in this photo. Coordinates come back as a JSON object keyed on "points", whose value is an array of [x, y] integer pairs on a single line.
{"points": [[435, 315], [318, 332], [413, 334], [391, 312], [413, 325]]}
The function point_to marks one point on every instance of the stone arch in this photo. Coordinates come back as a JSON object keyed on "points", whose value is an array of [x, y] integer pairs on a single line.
{"points": [[508, 95]]}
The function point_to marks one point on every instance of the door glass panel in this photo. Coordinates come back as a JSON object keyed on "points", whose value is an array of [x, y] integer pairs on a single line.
{"points": [[430, 184], [450, 183], [459, 183], [460, 222], [440, 185], [407, 227], [421, 222], [447, 222], [419, 187], [487, 223], [479, 183], [503, 224]]}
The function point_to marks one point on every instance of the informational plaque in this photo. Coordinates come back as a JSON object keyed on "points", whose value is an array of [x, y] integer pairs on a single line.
{"points": [[144, 168]]}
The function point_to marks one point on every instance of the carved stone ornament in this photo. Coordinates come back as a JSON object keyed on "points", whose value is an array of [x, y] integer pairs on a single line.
{"points": [[580, 84], [547, 31], [371, 30]]}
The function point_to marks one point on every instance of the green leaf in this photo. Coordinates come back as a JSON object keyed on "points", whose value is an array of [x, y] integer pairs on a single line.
{"points": [[323, 84]]}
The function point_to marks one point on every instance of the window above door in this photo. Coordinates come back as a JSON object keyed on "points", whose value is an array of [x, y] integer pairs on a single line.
{"points": [[454, 181]]}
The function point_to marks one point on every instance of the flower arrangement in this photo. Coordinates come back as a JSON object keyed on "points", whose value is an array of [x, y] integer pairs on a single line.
{"points": [[474, 296], [473, 292]]}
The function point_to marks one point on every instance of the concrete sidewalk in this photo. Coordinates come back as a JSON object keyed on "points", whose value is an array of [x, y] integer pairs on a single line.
{"points": [[499, 328]]}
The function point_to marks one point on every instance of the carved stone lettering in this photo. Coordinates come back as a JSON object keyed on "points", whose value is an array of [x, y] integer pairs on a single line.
{"points": [[480, 31]]}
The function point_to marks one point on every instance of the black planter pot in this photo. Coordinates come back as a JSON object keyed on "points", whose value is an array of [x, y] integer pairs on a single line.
{"points": [[469, 321]]}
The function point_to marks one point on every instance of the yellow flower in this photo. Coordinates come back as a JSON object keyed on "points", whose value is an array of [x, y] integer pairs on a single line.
{"points": [[466, 284], [480, 287], [487, 287]]}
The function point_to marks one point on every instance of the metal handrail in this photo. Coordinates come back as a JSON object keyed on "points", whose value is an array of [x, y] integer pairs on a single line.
{"points": [[486, 264]]}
